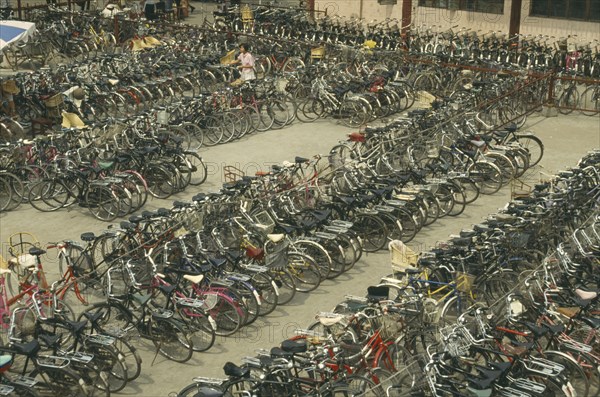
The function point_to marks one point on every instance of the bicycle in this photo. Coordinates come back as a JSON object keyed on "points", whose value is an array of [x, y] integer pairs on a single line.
{"points": [[119, 316]]}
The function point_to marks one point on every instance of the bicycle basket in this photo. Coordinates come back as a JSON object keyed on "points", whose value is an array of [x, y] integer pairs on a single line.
{"points": [[54, 101], [464, 281], [140, 273], [10, 87], [265, 221], [247, 14], [228, 58], [455, 341], [519, 239], [389, 326], [431, 312], [317, 53], [277, 255], [402, 256], [116, 283]]}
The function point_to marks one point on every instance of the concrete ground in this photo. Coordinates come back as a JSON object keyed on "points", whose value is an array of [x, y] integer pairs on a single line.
{"points": [[566, 139]]}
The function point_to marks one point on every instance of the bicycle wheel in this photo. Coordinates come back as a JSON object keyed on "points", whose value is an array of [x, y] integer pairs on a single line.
{"points": [[212, 130], [197, 168], [248, 297], [17, 191], [590, 101], [136, 186], [267, 292], [195, 133], [506, 166], [285, 283], [372, 231], [200, 390], [573, 371], [532, 144], [47, 195], [409, 226], [454, 307], [59, 381], [81, 261], [281, 113], [102, 202], [353, 113], [305, 272], [568, 101], [227, 314], [227, 124], [131, 358], [6, 194], [264, 117], [459, 200], [125, 199], [159, 180], [171, 339], [318, 253], [200, 328], [111, 363], [486, 176], [292, 64], [309, 109], [468, 188], [446, 199]]}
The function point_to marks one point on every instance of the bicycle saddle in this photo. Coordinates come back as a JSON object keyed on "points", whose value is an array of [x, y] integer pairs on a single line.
{"points": [[28, 349], [199, 197], [294, 346], [51, 341], [230, 369], [300, 160], [88, 236], [35, 251]]}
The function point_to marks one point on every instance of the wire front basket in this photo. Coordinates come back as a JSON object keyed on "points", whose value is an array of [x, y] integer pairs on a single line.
{"points": [[277, 255], [464, 282]]}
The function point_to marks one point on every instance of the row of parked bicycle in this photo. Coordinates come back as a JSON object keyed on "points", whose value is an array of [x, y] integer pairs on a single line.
{"points": [[467, 45], [486, 313], [218, 263], [110, 170]]}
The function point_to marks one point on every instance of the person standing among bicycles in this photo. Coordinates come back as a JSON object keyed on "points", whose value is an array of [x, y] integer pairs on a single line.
{"points": [[149, 9], [246, 61]]}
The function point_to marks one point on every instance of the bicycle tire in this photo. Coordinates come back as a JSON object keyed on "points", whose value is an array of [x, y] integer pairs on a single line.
{"points": [[285, 283], [108, 360], [200, 328], [532, 144], [305, 272], [198, 169], [267, 292], [59, 381], [48, 195], [486, 176], [102, 202], [318, 253], [468, 187], [281, 113], [572, 371], [371, 230], [131, 357], [171, 339], [226, 313], [590, 101], [17, 191], [212, 130], [159, 181], [5, 195]]}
